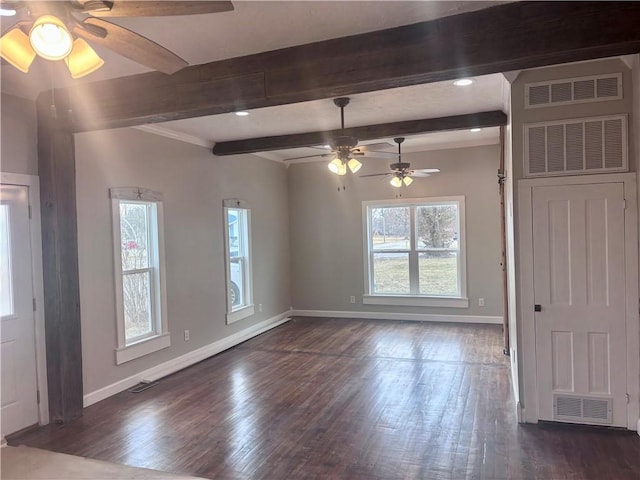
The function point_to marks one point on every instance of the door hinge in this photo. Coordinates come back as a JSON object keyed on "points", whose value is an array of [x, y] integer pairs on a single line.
{"points": [[29, 211], [624, 204], [38, 396], [34, 304]]}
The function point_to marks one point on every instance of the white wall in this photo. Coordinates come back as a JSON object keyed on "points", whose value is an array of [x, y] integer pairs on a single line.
{"points": [[194, 183], [326, 228]]}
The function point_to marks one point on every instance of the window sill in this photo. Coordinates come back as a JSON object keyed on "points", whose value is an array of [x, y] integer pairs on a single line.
{"points": [[414, 301], [142, 348], [238, 315]]}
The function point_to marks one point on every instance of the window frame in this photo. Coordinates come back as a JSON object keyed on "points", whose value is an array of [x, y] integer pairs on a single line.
{"points": [[160, 337], [246, 309], [414, 298]]}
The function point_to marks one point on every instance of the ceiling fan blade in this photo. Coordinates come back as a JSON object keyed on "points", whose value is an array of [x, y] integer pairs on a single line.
{"points": [[319, 155], [426, 170], [375, 146], [131, 45], [376, 154], [419, 174], [131, 8], [375, 175]]}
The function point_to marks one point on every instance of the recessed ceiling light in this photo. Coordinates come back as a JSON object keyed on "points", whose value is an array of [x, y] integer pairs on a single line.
{"points": [[463, 82], [7, 12], [475, 130], [242, 114]]}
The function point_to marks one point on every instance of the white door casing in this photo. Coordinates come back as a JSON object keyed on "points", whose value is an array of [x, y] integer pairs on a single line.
{"points": [[19, 405], [579, 276], [620, 354]]}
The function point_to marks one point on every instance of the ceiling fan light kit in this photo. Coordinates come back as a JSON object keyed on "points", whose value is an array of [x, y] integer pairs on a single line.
{"points": [[16, 49], [50, 38], [83, 59]]}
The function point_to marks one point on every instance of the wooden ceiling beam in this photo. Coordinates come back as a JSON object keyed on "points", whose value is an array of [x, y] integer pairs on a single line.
{"points": [[513, 36], [370, 132]]}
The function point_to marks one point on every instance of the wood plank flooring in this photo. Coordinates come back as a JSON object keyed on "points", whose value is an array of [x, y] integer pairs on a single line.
{"points": [[343, 399]]}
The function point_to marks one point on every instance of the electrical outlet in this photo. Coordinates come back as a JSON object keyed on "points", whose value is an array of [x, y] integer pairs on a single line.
{"points": [[353, 299], [481, 302], [186, 335], [259, 307]]}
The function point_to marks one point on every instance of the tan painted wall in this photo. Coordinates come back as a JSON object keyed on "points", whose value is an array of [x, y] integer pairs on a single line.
{"points": [[18, 141], [194, 183], [326, 228]]}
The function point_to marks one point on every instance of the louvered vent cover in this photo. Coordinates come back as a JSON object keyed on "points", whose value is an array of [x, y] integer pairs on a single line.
{"points": [[596, 88], [575, 147], [570, 408]]}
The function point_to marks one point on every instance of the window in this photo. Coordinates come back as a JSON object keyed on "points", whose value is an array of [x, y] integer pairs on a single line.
{"points": [[139, 272], [414, 252], [238, 260]]}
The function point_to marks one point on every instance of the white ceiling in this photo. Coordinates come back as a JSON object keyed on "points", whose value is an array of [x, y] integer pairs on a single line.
{"points": [[255, 27]]}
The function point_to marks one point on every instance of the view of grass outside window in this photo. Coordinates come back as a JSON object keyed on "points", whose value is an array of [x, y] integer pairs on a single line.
{"points": [[137, 270], [415, 249]]}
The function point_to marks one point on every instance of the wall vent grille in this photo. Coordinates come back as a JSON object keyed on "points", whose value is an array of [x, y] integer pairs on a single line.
{"points": [[571, 408], [575, 147], [596, 88]]}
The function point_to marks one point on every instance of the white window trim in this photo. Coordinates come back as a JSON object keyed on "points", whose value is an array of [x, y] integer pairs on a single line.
{"points": [[247, 310], [369, 298], [162, 338]]}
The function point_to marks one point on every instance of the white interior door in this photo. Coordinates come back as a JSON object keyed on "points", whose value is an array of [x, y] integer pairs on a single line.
{"points": [[579, 288], [18, 397]]}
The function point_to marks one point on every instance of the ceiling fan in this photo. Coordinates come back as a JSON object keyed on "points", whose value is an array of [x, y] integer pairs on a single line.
{"points": [[57, 30], [345, 147], [401, 173]]}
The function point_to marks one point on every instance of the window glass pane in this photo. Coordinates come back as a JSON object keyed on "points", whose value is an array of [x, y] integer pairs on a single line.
{"points": [[6, 279], [390, 227], [238, 244], [391, 273], [237, 282], [438, 273], [137, 305], [134, 226], [437, 226], [233, 218]]}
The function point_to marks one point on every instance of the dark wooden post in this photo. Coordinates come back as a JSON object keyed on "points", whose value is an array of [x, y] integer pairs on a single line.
{"points": [[56, 168]]}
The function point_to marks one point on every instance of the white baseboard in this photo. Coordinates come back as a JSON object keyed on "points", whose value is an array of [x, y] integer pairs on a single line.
{"points": [[420, 317], [186, 360]]}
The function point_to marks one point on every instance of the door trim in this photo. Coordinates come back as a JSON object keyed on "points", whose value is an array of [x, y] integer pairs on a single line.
{"points": [[525, 307], [32, 183]]}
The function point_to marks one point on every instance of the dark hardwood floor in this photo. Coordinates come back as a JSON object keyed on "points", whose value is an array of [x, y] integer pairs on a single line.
{"points": [[343, 399]]}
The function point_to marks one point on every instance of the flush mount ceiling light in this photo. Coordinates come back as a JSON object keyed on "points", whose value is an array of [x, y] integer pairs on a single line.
{"points": [[463, 82], [474, 130], [61, 30], [242, 113]]}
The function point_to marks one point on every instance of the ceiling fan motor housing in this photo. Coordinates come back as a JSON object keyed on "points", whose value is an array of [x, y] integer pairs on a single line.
{"points": [[343, 142], [401, 166]]}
